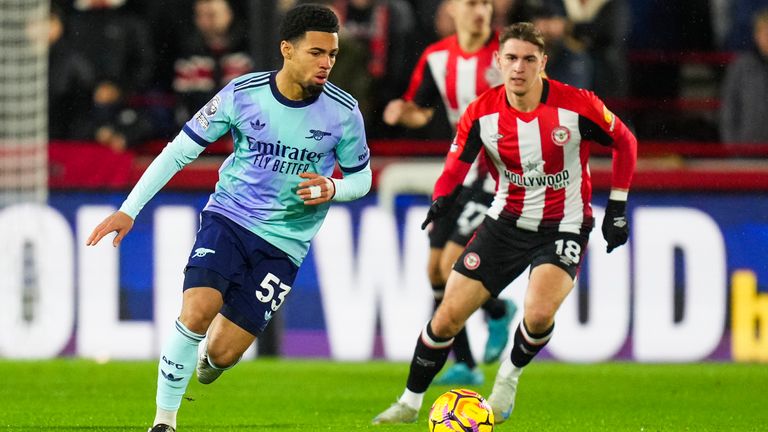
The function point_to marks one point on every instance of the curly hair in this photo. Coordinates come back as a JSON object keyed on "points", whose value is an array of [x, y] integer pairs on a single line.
{"points": [[307, 17]]}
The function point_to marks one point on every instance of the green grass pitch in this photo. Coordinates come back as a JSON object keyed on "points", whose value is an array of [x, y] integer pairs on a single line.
{"points": [[302, 395]]}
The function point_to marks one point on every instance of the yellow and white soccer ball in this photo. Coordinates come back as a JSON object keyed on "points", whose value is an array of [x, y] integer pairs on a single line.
{"points": [[460, 410]]}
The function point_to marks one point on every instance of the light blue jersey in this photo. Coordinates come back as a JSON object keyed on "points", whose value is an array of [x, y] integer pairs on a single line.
{"points": [[276, 139]]}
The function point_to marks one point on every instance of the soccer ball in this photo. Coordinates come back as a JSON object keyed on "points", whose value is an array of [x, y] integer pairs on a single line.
{"points": [[460, 411]]}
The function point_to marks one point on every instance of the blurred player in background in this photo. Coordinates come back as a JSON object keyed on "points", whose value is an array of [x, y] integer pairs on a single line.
{"points": [[536, 134], [290, 128], [745, 90], [453, 72]]}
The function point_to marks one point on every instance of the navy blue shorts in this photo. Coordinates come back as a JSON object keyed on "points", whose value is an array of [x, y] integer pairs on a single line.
{"points": [[253, 276]]}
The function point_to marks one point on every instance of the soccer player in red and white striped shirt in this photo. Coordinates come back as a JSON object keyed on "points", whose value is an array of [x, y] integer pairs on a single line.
{"points": [[535, 133], [453, 72]]}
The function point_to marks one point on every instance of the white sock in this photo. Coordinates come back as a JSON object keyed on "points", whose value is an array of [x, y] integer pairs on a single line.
{"points": [[165, 417], [507, 369], [413, 400]]}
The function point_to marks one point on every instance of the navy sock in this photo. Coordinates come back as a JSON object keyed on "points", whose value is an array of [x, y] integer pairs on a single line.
{"points": [[528, 344], [438, 290], [428, 358], [496, 308], [461, 349]]}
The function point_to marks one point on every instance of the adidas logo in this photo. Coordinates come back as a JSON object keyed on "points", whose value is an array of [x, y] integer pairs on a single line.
{"points": [[267, 315], [257, 125], [170, 376]]}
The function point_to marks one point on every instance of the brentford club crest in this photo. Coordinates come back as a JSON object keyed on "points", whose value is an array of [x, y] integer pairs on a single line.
{"points": [[472, 261], [561, 135]]}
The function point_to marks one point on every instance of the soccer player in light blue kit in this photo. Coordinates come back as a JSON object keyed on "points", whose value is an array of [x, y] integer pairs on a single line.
{"points": [[289, 128]]}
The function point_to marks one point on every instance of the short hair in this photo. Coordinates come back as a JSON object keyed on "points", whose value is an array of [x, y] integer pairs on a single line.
{"points": [[523, 31], [307, 17]]}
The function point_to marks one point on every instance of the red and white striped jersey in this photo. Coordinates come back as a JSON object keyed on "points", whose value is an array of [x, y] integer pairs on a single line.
{"points": [[539, 158], [446, 73]]}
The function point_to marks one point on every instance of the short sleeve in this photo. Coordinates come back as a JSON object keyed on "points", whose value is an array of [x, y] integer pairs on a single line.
{"points": [[213, 120], [352, 150]]}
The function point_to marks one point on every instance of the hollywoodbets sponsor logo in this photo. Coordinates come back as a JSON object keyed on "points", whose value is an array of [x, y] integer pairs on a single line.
{"points": [[554, 181], [282, 158]]}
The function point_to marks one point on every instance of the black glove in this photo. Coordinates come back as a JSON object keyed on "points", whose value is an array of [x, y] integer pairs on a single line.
{"points": [[615, 225], [440, 207]]}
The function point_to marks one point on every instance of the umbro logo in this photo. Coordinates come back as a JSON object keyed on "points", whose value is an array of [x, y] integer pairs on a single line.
{"points": [[201, 252], [267, 315], [257, 125], [620, 222], [317, 134], [421, 361], [170, 377], [526, 350]]}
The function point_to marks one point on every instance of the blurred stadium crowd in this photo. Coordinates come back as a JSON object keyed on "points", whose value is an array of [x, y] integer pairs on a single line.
{"points": [[127, 72]]}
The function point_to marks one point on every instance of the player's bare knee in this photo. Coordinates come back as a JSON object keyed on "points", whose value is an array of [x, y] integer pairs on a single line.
{"points": [[435, 275], [539, 319], [445, 269], [444, 326], [222, 356], [195, 320]]}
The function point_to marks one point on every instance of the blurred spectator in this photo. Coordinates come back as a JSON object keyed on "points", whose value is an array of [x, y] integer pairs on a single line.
{"points": [[70, 84], [444, 24], [602, 27], [386, 28], [745, 91], [742, 13], [118, 44], [506, 12], [209, 56], [426, 14], [349, 71], [567, 60]]}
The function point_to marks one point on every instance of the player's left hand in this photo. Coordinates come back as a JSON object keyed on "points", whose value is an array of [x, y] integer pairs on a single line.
{"points": [[440, 206], [615, 226], [316, 190]]}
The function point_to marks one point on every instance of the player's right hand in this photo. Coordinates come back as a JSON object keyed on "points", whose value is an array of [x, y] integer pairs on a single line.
{"points": [[393, 111], [118, 222]]}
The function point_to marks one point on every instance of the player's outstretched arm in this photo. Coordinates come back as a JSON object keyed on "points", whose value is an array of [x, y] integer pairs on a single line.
{"points": [[118, 222], [615, 223]]}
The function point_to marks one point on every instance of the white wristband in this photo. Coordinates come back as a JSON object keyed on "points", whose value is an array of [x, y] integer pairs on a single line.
{"points": [[618, 195], [315, 191]]}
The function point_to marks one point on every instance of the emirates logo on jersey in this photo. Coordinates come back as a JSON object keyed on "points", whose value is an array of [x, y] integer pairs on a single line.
{"points": [[561, 135], [472, 261]]}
